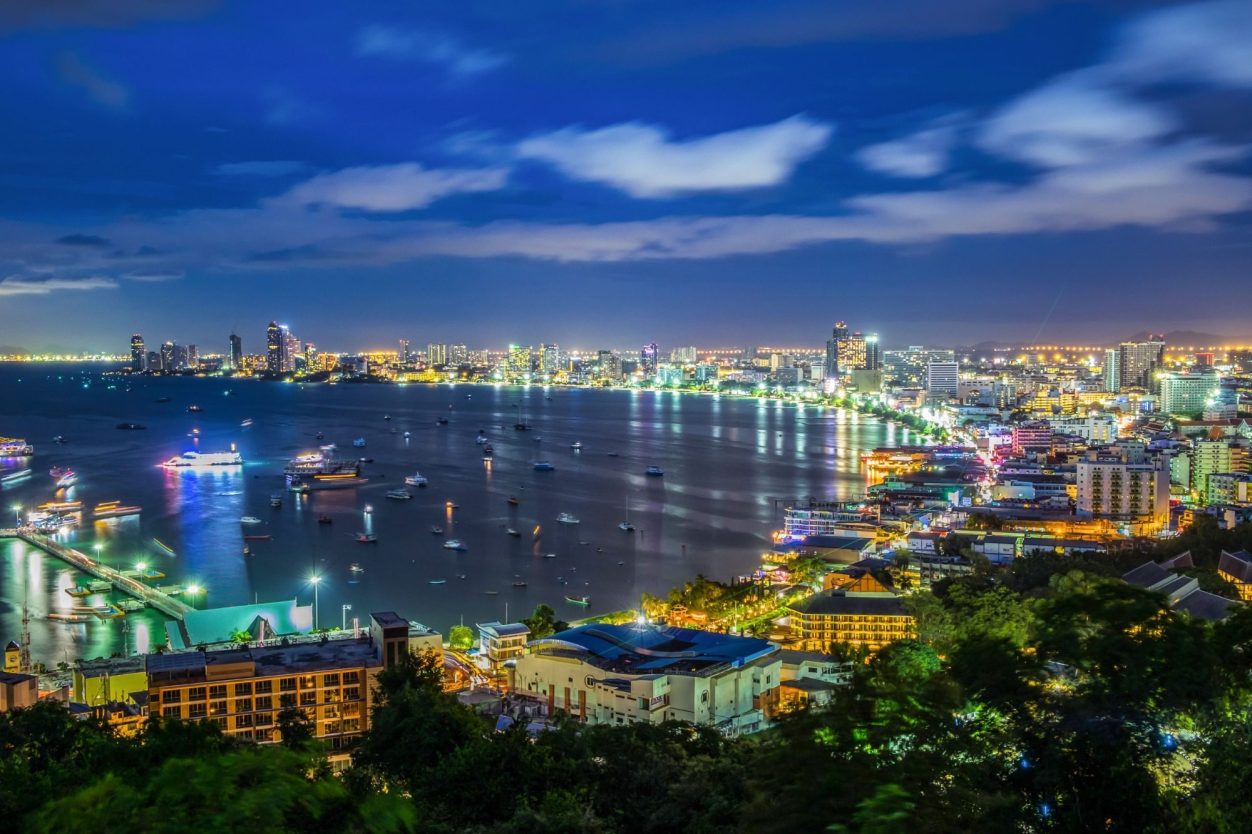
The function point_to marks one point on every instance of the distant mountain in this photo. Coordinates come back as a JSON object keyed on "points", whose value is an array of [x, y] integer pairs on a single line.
{"points": [[6, 350], [1184, 337]]}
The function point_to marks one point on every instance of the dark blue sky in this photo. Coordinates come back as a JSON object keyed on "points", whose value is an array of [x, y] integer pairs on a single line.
{"points": [[599, 174]]}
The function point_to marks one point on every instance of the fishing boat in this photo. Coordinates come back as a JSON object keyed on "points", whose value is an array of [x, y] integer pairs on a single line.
{"points": [[544, 466], [454, 544], [436, 529], [654, 471], [438, 582], [325, 519], [567, 518], [63, 477], [399, 494], [513, 501], [366, 538], [259, 537], [584, 600], [417, 479], [114, 509], [249, 519]]}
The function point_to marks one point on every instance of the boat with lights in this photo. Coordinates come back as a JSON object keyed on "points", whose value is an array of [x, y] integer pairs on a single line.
{"points": [[204, 460], [63, 476], [114, 509]]}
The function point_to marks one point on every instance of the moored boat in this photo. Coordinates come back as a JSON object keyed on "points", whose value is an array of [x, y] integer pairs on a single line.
{"points": [[399, 494], [114, 509], [584, 600], [454, 544], [417, 479]]}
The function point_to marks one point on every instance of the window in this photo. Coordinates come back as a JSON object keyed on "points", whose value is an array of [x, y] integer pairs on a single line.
{"points": [[265, 702], [243, 720], [330, 680], [285, 701], [308, 699], [171, 712], [243, 689], [287, 685], [172, 696], [243, 705], [308, 681], [352, 693], [196, 693], [217, 692], [264, 719], [196, 711], [351, 677], [217, 707], [264, 687], [264, 735]]}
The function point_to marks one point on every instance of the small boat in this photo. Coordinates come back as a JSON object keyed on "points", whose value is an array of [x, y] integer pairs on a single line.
{"points": [[417, 479], [246, 423], [164, 399], [365, 460], [399, 494], [407, 435], [386, 416], [513, 501], [460, 576], [369, 508], [438, 582], [276, 499], [130, 427], [481, 439], [544, 466], [584, 600], [366, 538], [488, 451], [491, 593], [247, 551], [654, 471], [549, 555], [355, 567], [454, 544], [567, 518], [320, 436], [613, 454], [577, 446], [452, 505], [359, 443], [78, 592], [230, 492], [325, 519], [249, 519], [194, 409], [442, 421], [63, 476], [514, 533], [60, 438], [519, 583], [626, 527], [259, 537]]}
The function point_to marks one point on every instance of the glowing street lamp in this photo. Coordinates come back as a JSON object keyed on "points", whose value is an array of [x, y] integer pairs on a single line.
{"points": [[193, 591], [343, 616], [315, 580], [17, 514], [98, 547]]}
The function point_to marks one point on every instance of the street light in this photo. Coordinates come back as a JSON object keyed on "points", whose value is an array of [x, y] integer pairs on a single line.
{"points": [[343, 616], [98, 547], [193, 591], [316, 580], [17, 514], [141, 566]]}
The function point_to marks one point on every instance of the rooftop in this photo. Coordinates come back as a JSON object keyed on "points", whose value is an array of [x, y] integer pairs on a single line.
{"points": [[643, 650], [838, 602], [267, 660], [220, 625]]}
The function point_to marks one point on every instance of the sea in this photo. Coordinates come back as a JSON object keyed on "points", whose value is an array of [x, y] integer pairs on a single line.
{"points": [[731, 464]]}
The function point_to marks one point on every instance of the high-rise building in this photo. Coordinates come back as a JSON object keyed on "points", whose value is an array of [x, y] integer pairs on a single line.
{"points": [[236, 353], [648, 359], [167, 357], [942, 378], [1210, 457], [291, 349], [138, 355], [1187, 394], [274, 348], [1138, 362], [684, 355], [873, 354], [517, 363], [549, 359], [193, 357], [403, 353], [180, 358], [436, 354], [1124, 488], [153, 362], [1112, 370], [608, 365], [839, 334], [851, 352], [1241, 359], [458, 355]]}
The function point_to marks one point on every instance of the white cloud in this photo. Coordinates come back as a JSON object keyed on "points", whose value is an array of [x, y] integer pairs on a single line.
{"points": [[1209, 42], [427, 46], [1072, 120], [398, 187], [15, 285], [922, 154], [643, 161], [99, 89]]}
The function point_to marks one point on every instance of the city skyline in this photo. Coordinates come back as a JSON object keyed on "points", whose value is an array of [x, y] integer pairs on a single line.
{"points": [[1026, 171]]}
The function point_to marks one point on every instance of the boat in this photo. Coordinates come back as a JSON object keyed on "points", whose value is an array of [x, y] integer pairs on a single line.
{"points": [[355, 567], [567, 518], [130, 427], [343, 480], [407, 435], [14, 476], [399, 494], [78, 592], [442, 421], [488, 452], [549, 555], [245, 423], [519, 583], [276, 499], [163, 547], [249, 519], [417, 479], [544, 466], [58, 617], [369, 508], [194, 409], [359, 443], [204, 460], [129, 605], [259, 537], [60, 438], [164, 399], [63, 476], [514, 533], [454, 544], [577, 446], [461, 576], [654, 471], [481, 439], [366, 460], [247, 551], [366, 538], [436, 529], [325, 519], [626, 527], [62, 506], [15, 447], [438, 582], [386, 416], [452, 505], [599, 549], [114, 509], [584, 600], [320, 436], [491, 593], [513, 501]]}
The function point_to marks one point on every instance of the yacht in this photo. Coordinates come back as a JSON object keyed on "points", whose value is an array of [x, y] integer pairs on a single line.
{"points": [[454, 544], [114, 509], [249, 519], [544, 466], [567, 518], [626, 527], [63, 476], [399, 494], [417, 479], [204, 460], [654, 471]]}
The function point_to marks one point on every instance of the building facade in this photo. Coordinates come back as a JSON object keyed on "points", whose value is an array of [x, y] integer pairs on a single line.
{"points": [[1124, 489], [865, 614]]}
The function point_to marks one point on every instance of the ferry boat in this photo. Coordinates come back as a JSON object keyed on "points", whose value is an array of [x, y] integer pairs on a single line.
{"points": [[654, 471], [544, 466], [13, 476], [399, 494], [114, 509], [454, 544], [366, 538], [584, 600], [417, 479], [55, 523], [63, 476], [62, 506], [204, 460], [249, 519], [15, 447], [567, 518]]}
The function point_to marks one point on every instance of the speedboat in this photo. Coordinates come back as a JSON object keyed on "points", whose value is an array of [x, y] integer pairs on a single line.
{"points": [[366, 538], [577, 446], [654, 471], [626, 527], [359, 443], [417, 479], [399, 494], [249, 519], [355, 567], [63, 476], [549, 555], [454, 544], [567, 518], [544, 466], [386, 416], [452, 505]]}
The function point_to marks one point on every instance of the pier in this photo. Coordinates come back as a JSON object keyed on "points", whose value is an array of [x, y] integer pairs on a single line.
{"points": [[162, 602]]}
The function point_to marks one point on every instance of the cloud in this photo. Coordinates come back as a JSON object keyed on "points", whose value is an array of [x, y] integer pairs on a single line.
{"points": [[427, 46], [83, 240], [1209, 42], [643, 161], [98, 88], [261, 168], [15, 285], [398, 187], [153, 276], [921, 154]]}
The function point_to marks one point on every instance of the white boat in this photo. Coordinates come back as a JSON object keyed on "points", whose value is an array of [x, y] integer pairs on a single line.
{"points": [[481, 439], [63, 476], [204, 460], [399, 494], [14, 476], [577, 446], [15, 447], [454, 544], [567, 518], [359, 443], [654, 471], [249, 519], [417, 479], [246, 423], [626, 527]]}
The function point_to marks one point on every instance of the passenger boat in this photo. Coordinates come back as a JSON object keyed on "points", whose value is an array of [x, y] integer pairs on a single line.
{"points": [[567, 518], [15, 447], [366, 538], [584, 601], [417, 479], [654, 471], [114, 509], [454, 544], [399, 494], [13, 476], [249, 519], [55, 523], [544, 466], [63, 476], [204, 460], [61, 506]]}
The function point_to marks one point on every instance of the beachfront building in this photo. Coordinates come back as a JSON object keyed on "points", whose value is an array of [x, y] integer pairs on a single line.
{"points": [[623, 674], [865, 614]]}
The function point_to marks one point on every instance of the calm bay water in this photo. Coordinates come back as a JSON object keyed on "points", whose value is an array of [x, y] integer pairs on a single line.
{"points": [[728, 465]]}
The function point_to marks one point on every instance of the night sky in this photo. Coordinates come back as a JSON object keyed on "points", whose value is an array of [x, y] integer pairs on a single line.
{"points": [[601, 174]]}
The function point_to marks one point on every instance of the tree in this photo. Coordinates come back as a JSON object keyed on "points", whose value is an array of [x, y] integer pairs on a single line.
{"points": [[294, 728], [461, 637], [541, 623]]}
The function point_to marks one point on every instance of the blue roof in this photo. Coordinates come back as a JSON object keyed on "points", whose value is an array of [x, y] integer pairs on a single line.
{"points": [[645, 650], [220, 625]]}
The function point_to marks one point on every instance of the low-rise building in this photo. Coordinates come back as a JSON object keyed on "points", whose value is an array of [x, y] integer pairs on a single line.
{"points": [[1183, 591], [621, 674], [17, 690], [866, 615], [499, 643], [1236, 568]]}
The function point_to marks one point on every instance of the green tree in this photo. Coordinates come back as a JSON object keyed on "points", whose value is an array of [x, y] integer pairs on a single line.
{"points": [[461, 637], [541, 623]]}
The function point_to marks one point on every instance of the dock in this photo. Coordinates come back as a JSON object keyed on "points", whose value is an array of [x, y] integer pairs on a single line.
{"points": [[120, 581]]}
